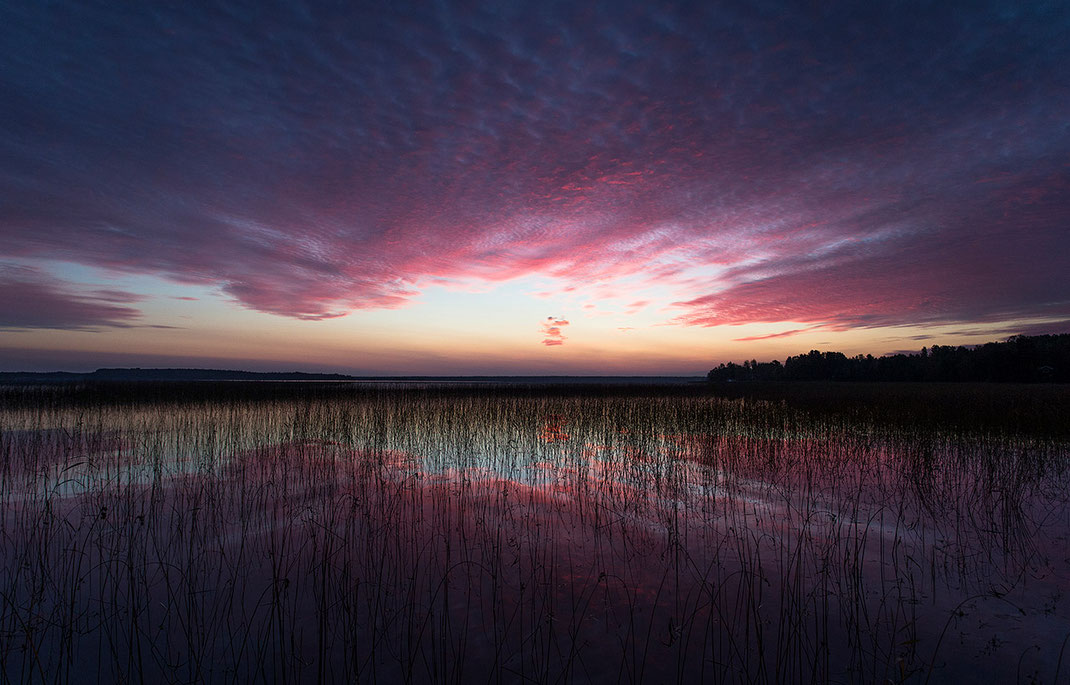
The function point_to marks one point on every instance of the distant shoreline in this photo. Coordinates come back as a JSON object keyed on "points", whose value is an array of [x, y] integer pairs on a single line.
{"points": [[221, 375]]}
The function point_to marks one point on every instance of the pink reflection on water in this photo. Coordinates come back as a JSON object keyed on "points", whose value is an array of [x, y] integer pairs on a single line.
{"points": [[689, 557], [553, 429]]}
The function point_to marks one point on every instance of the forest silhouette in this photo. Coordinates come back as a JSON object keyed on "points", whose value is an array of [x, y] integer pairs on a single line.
{"points": [[1019, 359]]}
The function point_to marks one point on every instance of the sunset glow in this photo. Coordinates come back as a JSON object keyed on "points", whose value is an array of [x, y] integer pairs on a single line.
{"points": [[541, 188]]}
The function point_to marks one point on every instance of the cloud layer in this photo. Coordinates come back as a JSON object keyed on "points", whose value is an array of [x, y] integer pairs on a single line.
{"points": [[843, 167]]}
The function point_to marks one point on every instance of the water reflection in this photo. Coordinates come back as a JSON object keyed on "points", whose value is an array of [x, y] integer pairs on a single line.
{"points": [[416, 539]]}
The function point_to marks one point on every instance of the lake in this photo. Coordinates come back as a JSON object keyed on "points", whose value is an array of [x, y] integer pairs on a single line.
{"points": [[635, 533]]}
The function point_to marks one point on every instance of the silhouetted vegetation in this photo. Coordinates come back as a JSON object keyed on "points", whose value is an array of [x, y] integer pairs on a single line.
{"points": [[1020, 359], [451, 533], [1038, 410]]}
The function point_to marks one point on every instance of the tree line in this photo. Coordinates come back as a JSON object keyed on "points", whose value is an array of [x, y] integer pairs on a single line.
{"points": [[1021, 358]]}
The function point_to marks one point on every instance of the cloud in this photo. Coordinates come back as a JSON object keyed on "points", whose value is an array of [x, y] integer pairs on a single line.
{"points": [[551, 329], [118, 296], [30, 299], [1043, 328], [762, 163], [635, 307], [782, 334]]}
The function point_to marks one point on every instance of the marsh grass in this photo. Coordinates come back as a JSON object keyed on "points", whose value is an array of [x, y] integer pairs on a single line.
{"points": [[292, 533]]}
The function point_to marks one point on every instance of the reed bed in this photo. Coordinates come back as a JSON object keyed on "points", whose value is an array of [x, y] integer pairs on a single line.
{"points": [[391, 534]]}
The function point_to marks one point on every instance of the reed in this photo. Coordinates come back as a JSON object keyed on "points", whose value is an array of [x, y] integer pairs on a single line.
{"points": [[327, 532]]}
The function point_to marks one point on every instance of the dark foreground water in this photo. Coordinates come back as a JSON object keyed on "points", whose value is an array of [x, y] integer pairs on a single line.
{"points": [[397, 535]]}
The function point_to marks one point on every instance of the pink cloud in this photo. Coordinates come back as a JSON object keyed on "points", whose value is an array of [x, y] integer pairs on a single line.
{"points": [[636, 306], [906, 277], [551, 329], [799, 218], [782, 334]]}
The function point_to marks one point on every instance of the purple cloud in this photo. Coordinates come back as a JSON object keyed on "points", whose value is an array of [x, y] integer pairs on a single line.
{"points": [[992, 261], [771, 336], [28, 299], [310, 161]]}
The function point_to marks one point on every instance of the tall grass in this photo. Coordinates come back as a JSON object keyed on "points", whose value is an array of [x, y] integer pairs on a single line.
{"points": [[281, 533]]}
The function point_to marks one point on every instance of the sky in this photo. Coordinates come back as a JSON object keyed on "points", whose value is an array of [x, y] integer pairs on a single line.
{"points": [[527, 188]]}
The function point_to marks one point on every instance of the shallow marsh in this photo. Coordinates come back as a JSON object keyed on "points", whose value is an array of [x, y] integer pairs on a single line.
{"points": [[414, 534]]}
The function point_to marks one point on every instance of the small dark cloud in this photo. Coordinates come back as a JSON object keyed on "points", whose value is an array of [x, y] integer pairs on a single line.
{"points": [[118, 296]]}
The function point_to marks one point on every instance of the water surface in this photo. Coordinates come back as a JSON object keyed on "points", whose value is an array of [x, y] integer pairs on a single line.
{"points": [[395, 535]]}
